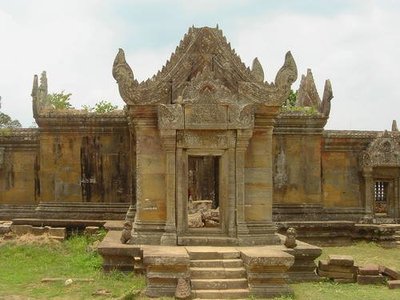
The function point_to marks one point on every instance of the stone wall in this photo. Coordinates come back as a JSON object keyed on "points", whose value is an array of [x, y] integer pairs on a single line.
{"points": [[18, 166]]}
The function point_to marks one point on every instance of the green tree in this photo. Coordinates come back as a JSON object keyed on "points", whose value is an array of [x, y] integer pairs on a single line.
{"points": [[60, 100], [101, 107], [291, 100], [7, 122]]}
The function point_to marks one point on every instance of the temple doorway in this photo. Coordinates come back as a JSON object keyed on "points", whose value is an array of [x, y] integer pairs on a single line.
{"points": [[203, 192]]}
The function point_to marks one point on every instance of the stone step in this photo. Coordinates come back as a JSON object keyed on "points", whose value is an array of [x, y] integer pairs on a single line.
{"points": [[217, 273], [202, 253], [217, 263], [219, 284], [221, 294]]}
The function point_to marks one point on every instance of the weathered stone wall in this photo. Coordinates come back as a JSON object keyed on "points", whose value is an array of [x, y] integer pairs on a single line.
{"points": [[84, 159], [18, 166]]}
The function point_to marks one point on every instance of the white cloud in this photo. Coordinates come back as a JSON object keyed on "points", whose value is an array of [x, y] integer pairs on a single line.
{"points": [[76, 42]]}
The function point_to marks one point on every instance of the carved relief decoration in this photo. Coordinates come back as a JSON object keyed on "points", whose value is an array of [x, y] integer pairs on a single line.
{"points": [[207, 140], [170, 116], [384, 151], [199, 49]]}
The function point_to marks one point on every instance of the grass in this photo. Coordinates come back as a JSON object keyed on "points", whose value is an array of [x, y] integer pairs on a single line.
{"points": [[23, 266]]}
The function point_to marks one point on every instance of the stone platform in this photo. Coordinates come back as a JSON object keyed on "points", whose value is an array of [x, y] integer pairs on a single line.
{"points": [[213, 272]]}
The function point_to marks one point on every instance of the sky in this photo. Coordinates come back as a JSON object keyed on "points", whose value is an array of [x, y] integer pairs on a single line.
{"points": [[354, 43]]}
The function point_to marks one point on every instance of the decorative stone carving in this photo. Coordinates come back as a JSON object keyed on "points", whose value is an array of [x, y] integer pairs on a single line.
{"points": [[307, 94], [383, 151], [257, 70], [39, 94], [201, 139], [183, 290], [290, 241], [126, 234], [204, 51], [325, 108], [170, 116], [280, 178], [123, 74]]}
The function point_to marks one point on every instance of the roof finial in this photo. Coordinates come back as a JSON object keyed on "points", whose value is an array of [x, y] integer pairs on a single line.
{"points": [[257, 70], [394, 126]]}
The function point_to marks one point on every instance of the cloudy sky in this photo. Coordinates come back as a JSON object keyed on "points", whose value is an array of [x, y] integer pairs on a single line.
{"points": [[355, 43]]}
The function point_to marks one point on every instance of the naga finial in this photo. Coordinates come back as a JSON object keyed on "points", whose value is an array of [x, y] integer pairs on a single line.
{"points": [[307, 94], [287, 74], [325, 108]]}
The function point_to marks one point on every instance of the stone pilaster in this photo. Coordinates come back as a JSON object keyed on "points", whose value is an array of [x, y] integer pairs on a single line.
{"points": [[369, 191], [169, 145]]}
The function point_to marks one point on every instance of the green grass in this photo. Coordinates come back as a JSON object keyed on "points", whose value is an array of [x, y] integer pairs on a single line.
{"points": [[22, 268]]}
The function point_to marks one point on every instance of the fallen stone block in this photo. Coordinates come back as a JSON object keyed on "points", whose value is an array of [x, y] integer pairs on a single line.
{"points": [[341, 260], [57, 233], [370, 269], [389, 272], [370, 279], [38, 230], [91, 229], [21, 229], [324, 266], [5, 228], [336, 275], [394, 284]]}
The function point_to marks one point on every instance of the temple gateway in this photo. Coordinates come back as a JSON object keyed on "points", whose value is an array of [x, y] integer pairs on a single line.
{"points": [[206, 152]]}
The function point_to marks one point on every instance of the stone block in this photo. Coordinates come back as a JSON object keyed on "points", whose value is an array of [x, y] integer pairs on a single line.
{"points": [[38, 230], [342, 280], [394, 284], [336, 275], [370, 279], [341, 260], [369, 269], [21, 229], [389, 272], [324, 266], [91, 229], [5, 228], [57, 232]]}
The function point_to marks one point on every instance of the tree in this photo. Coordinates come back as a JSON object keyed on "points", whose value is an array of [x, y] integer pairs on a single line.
{"points": [[101, 107], [7, 122], [291, 100], [59, 100]]}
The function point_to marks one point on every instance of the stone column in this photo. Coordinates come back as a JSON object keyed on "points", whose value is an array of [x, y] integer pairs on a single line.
{"points": [[169, 145], [369, 191]]}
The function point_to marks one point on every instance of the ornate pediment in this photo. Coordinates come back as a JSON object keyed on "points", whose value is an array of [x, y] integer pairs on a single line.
{"points": [[200, 50], [384, 151]]}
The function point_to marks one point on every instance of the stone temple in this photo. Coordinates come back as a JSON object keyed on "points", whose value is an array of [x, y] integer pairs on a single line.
{"points": [[206, 152]]}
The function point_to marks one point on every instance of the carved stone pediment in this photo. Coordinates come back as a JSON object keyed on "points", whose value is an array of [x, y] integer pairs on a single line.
{"points": [[206, 139], [384, 151], [201, 49]]}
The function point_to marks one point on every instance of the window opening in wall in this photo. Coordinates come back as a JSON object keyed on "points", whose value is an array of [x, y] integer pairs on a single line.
{"points": [[381, 197], [203, 191]]}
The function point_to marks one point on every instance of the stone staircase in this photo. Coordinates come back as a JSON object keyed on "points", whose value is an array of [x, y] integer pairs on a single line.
{"points": [[217, 273]]}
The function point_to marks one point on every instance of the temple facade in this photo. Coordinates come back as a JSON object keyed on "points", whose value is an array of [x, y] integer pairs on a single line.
{"points": [[205, 152]]}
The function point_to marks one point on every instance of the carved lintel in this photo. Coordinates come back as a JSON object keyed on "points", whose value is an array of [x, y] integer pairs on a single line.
{"points": [[205, 139], [241, 117]]}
